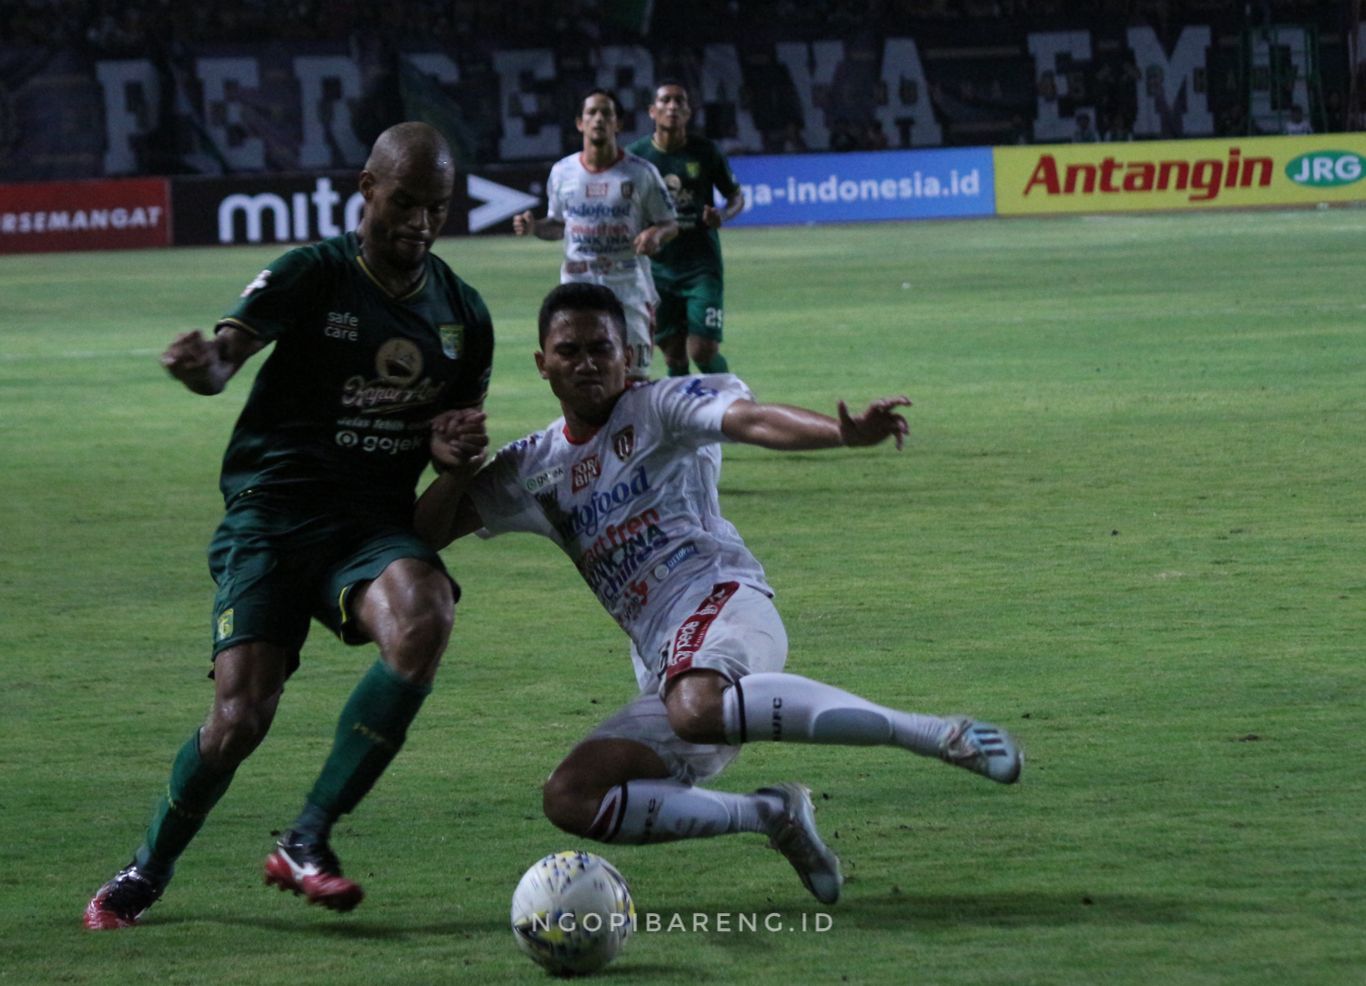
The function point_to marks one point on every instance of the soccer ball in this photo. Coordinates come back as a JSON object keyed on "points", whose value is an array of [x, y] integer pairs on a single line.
{"points": [[572, 912]]}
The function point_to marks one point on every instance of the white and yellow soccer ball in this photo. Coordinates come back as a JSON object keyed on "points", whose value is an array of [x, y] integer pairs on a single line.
{"points": [[572, 912]]}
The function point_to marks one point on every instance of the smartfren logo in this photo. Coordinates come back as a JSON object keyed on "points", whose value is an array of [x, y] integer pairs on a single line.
{"points": [[1325, 169]]}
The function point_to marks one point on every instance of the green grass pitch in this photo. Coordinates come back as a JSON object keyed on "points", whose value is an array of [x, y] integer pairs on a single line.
{"points": [[1129, 525]]}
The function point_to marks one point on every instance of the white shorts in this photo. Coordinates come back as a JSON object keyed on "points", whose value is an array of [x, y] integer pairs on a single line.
{"points": [[736, 631], [640, 338], [638, 298]]}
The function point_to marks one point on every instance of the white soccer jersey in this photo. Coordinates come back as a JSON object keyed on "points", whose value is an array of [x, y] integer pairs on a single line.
{"points": [[635, 506], [603, 212]]}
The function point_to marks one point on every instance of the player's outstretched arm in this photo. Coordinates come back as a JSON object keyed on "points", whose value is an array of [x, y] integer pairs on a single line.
{"points": [[458, 443], [444, 512], [793, 429], [205, 366]]}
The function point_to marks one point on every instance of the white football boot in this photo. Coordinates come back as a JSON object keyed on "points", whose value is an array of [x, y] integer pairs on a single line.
{"points": [[792, 832], [983, 749]]}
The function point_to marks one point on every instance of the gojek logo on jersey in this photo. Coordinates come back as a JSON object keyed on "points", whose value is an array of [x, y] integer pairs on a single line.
{"points": [[1326, 169]]}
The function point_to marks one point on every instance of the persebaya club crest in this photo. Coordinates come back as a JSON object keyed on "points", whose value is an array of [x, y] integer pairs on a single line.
{"points": [[452, 340]]}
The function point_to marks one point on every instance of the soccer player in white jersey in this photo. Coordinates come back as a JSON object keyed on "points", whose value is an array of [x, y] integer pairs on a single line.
{"points": [[614, 212], [625, 483]]}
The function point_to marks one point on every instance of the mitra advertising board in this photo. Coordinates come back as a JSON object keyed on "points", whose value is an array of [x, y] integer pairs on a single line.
{"points": [[863, 186], [1188, 174], [288, 209], [84, 215]]}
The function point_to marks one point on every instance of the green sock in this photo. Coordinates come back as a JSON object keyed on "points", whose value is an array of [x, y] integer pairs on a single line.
{"points": [[717, 364], [369, 734], [678, 371], [194, 789]]}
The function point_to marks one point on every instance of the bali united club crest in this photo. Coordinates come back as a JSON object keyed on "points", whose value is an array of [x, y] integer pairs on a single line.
{"points": [[624, 442]]}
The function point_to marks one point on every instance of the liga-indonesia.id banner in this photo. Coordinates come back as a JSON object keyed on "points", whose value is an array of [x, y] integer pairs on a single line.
{"points": [[937, 183], [1188, 174]]}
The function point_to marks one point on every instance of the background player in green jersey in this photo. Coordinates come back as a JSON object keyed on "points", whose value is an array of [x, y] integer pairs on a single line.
{"points": [[372, 337], [688, 270]]}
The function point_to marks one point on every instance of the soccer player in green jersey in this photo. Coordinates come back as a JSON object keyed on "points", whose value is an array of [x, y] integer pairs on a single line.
{"points": [[372, 337], [688, 270]]}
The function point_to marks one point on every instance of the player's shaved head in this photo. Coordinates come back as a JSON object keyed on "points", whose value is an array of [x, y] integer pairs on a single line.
{"points": [[407, 185], [408, 145]]}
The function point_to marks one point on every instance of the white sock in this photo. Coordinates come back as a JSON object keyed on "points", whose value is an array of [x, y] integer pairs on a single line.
{"points": [[654, 810], [792, 709]]}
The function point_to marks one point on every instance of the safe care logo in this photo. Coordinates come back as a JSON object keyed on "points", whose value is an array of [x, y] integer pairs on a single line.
{"points": [[1326, 169]]}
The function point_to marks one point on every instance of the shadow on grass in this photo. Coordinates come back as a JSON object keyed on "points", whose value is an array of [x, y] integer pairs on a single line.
{"points": [[908, 911], [344, 927], [1013, 910]]}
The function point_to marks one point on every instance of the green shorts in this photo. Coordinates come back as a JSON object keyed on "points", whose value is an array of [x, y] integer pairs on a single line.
{"points": [[690, 304], [279, 563]]}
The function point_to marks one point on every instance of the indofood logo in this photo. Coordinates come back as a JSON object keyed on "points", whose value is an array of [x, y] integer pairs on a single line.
{"points": [[1326, 169]]}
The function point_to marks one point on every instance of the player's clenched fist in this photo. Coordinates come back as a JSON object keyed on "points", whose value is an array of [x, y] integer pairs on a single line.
{"points": [[190, 358]]}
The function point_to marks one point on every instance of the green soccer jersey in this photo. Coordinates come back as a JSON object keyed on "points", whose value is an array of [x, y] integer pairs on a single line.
{"points": [[691, 173], [341, 407]]}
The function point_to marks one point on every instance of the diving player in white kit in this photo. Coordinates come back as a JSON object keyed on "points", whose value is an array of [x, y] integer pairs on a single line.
{"points": [[614, 212], [625, 483]]}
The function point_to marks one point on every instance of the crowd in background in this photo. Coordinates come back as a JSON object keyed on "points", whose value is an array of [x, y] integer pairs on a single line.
{"points": [[123, 27], [976, 101]]}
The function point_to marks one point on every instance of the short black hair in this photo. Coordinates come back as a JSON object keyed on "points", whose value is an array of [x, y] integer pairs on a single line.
{"points": [[599, 91], [670, 80], [580, 296]]}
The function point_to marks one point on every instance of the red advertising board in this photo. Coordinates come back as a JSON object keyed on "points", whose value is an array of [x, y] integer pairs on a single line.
{"points": [[84, 215]]}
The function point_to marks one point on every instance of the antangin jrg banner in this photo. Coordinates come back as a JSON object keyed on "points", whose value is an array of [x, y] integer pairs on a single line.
{"points": [[1142, 176]]}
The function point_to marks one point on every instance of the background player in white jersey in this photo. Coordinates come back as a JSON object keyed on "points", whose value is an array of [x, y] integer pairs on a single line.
{"points": [[614, 212], [625, 483]]}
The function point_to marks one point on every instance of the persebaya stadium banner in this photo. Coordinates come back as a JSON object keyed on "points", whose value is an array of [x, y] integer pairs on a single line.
{"points": [[858, 187], [1189, 174]]}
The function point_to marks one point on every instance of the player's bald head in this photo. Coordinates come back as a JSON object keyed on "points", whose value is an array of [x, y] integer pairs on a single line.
{"points": [[409, 146]]}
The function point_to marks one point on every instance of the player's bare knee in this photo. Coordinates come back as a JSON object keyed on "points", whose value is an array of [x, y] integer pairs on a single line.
{"points": [[694, 719], [425, 631], [694, 726], [693, 704], [234, 730], [564, 803], [414, 640], [701, 349]]}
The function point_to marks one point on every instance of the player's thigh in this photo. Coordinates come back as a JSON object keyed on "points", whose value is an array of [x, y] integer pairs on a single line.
{"points": [[671, 318], [416, 585], [645, 721], [706, 308], [264, 573]]}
